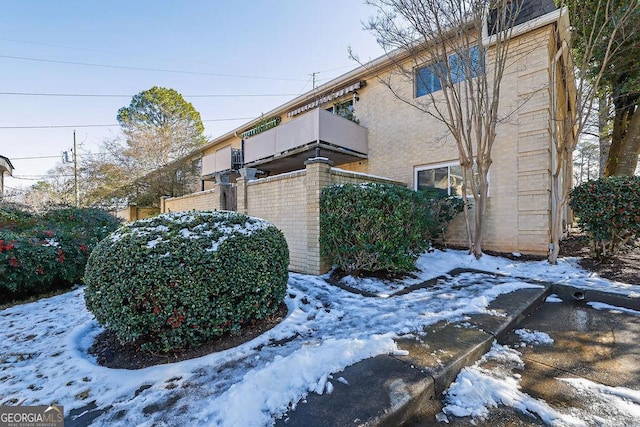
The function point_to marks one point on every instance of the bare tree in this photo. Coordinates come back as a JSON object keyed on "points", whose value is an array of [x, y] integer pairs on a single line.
{"points": [[42, 195], [467, 45], [106, 177], [601, 39], [586, 164]]}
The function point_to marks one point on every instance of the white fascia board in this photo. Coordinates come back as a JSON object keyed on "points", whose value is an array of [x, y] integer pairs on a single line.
{"points": [[525, 27]]}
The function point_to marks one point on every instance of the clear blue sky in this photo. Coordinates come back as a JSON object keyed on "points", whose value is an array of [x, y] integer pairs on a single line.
{"points": [[222, 47]]}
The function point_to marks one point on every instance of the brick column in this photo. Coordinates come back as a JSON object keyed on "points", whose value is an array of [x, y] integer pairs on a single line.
{"points": [[241, 195], [317, 177], [221, 190], [163, 204], [133, 212]]}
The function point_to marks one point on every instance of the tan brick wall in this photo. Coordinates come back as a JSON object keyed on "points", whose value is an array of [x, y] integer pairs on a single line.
{"points": [[281, 199], [132, 213], [203, 201], [343, 176], [402, 138]]}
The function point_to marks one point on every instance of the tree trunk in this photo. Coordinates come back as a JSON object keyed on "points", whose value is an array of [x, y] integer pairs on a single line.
{"points": [[625, 104], [560, 185], [480, 213], [630, 147], [604, 139], [615, 153]]}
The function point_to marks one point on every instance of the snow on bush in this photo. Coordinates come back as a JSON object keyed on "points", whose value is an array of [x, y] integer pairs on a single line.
{"points": [[179, 279]]}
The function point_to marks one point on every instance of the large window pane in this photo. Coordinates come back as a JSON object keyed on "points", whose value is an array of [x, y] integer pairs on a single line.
{"points": [[448, 179], [463, 64], [456, 180], [427, 80], [434, 178]]}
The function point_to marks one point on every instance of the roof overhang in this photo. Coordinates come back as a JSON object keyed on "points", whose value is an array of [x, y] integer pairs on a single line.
{"points": [[6, 166]]}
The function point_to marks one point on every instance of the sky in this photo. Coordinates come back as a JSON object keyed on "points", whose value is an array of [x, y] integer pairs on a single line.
{"points": [[326, 330], [253, 55]]}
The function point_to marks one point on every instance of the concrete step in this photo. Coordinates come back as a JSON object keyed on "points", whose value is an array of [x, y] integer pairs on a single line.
{"points": [[387, 390]]}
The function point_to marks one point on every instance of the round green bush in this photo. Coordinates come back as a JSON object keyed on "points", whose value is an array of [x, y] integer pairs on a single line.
{"points": [[179, 279]]}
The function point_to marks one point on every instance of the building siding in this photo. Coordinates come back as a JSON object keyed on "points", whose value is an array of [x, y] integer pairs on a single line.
{"points": [[402, 138]]}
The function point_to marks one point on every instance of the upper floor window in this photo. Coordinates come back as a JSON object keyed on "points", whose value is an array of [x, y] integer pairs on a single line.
{"points": [[344, 109], [428, 79]]}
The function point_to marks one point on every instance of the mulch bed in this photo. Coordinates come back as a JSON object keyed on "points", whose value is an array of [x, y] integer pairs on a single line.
{"points": [[622, 268], [110, 353]]}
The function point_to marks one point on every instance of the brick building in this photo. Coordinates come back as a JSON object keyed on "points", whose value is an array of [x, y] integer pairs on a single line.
{"points": [[263, 168]]}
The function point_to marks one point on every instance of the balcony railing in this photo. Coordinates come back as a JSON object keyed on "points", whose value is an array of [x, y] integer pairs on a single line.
{"points": [[223, 160], [317, 128]]}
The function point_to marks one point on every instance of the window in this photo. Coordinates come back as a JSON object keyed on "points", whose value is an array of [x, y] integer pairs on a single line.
{"points": [[344, 109], [428, 79], [446, 178]]}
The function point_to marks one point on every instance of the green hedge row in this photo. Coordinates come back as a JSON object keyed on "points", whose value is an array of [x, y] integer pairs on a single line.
{"points": [[179, 279], [45, 252], [381, 227], [608, 210]]}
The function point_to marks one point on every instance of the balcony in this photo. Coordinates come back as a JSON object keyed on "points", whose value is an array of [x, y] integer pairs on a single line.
{"points": [[286, 147], [221, 162]]}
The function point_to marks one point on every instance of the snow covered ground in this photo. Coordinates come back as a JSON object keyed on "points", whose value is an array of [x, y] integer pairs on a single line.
{"points": [[44, 358]]}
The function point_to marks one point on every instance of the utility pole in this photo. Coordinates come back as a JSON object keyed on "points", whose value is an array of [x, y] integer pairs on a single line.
{"points": [[313, 80], [75, 170]]}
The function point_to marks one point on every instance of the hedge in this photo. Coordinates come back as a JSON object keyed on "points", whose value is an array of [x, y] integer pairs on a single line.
{"points": [[608, 210], [374, 227], [45, 252], [179, 279]]}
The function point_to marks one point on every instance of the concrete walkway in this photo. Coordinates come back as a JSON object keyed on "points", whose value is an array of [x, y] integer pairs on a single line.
{"points": [[389, 390], [406, 390]]}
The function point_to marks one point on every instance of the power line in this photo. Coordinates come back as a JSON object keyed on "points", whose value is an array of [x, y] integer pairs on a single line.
{"points": [[56, 126], [103, 51], [102, 95], [335, 69], [107, 125], [37, 177], [34, 158], [51, 157], [89, 64], [111, 52]]}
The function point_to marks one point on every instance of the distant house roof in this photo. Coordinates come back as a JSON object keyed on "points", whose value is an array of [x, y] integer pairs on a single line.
{"points": [[529, 10], [5, 165]]}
